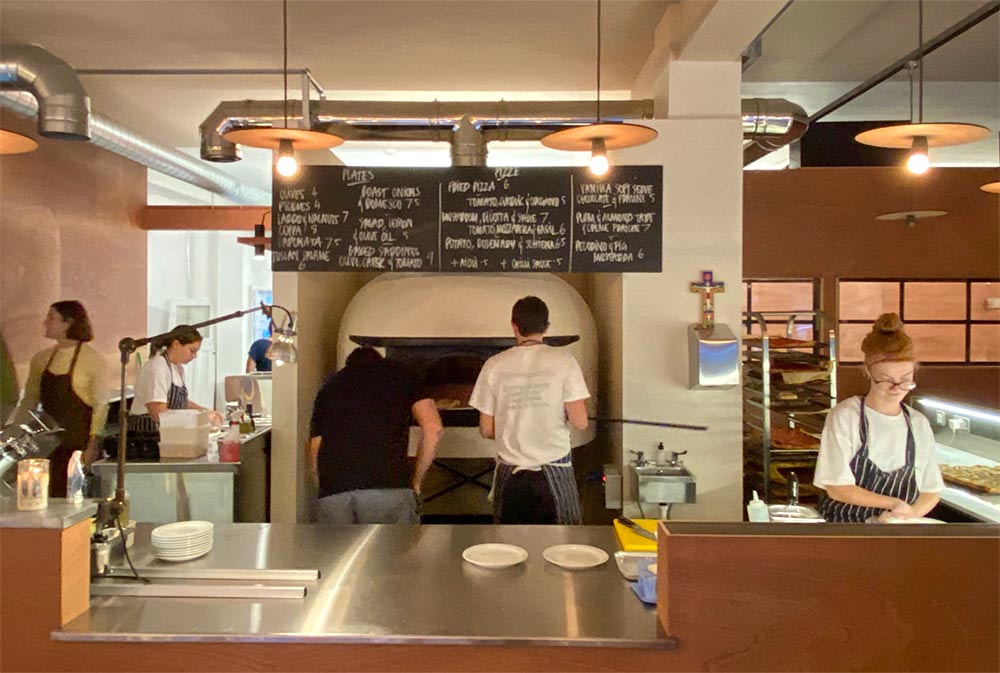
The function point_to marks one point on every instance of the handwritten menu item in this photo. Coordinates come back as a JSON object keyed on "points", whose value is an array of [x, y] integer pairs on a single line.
{"points": [[468, 219]]}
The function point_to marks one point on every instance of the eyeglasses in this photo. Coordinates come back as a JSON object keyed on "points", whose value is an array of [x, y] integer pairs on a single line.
{"points": [[889, 384]]}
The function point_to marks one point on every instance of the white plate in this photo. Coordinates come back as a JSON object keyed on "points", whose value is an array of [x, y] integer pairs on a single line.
{"points": [[182, 530], [187, 557], [575, 556], [181, 542], [494, 555], [916, 519]]}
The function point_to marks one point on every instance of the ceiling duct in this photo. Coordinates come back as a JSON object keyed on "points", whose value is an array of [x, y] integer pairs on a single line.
{"points": [[63, 104], [442, 121], [770, 124], [131, 145]]}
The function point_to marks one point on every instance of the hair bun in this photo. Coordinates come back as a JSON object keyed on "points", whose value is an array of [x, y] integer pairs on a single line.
{"points": [[887, 341], [888, 323]]}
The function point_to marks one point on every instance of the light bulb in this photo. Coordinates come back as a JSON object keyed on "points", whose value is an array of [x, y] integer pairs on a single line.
{"points": [[598, 157], [917, 161], [286, 165]]}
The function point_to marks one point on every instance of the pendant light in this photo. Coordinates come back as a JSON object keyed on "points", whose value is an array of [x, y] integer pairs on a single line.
{"points": [[993, 187], [599, 137], [920, 137], [284, 139], [15, 143]]}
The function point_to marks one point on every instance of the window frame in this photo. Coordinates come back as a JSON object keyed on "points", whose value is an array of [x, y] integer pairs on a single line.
{"points": [[817, 298]]}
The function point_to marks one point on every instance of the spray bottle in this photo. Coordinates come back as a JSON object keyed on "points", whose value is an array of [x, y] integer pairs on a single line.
{"points": [[75, 479]]}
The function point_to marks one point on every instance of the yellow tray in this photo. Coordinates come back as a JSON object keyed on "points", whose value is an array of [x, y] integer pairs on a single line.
{"points": [[631, 541]]}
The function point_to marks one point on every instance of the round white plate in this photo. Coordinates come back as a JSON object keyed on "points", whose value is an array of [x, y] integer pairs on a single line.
{"points": [[182, 529], [916, 519], [187, 557], [180, 542], [575, 556], [494, 555]]}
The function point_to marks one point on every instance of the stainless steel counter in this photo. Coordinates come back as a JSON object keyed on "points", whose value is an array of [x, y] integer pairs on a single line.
{"points": [[389, 584], [61, 513]]}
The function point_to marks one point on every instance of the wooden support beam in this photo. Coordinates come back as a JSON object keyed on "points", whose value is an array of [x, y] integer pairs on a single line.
{"points": [[203, 218]]}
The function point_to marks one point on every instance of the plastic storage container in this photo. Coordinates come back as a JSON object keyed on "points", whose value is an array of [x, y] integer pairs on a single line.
{"points": [[183, 418], [180, 441]]}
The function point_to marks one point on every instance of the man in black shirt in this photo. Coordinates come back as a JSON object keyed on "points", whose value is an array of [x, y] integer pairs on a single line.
{"points": [[359, 439]]}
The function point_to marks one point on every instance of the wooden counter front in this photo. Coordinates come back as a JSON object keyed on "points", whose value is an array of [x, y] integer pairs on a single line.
{"points": [[818, 597]]}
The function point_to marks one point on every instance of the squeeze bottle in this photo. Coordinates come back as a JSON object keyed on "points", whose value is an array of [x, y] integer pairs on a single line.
{"points": [[757, 509]]}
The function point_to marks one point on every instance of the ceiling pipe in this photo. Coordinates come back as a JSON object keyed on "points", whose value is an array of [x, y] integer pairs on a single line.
{"points": [[411, 121], [770, 124], [63, 104], [131, 145]]}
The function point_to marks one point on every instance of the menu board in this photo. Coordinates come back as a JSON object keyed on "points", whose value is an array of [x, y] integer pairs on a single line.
{"points": [[468, 219]]}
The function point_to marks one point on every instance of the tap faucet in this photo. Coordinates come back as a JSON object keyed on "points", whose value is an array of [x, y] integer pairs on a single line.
{"points": [[793, 490], [674, 456], [639, 459]]}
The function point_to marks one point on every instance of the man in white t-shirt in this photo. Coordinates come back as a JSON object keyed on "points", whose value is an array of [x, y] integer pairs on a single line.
{"points": [[528, 397]]}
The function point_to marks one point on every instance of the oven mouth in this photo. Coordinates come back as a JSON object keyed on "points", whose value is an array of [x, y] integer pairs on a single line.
{"points": [[500, 343]]}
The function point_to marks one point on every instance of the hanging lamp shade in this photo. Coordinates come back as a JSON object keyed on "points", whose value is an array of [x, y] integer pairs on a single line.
{"points": [[615, 136], [910, 215], [15, 143], [943, 134], [991, 187], [270, 137]]}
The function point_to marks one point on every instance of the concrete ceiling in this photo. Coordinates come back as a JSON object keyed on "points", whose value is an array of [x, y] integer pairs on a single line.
{"points": [[485, 49]]}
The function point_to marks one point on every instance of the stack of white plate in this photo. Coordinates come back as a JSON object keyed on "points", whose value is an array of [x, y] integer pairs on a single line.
{"points": [[183, 541]]}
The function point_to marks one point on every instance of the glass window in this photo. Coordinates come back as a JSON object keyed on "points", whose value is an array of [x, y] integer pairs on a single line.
{"points": [[934, 301], [984, 343], [867, 300], [937, 343], [766, 296], [981, 294], [849, 341]]}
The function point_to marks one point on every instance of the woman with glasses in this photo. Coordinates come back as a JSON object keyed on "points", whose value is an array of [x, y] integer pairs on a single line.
{"points": [[876, 455]]}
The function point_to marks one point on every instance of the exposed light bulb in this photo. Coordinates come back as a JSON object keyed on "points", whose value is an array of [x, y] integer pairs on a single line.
{"points": [[598, 157], [917, 161], [286, 165]]}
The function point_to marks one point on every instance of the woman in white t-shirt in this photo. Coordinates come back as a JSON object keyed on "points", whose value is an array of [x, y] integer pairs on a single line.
{"points": [[876, 455], [161, 385]]}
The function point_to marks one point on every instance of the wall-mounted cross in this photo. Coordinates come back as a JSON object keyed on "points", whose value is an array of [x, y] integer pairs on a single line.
{"points": [[707, 287]]}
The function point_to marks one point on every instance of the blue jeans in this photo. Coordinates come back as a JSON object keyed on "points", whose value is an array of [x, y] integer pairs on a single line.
{"points": [[376, 505]]}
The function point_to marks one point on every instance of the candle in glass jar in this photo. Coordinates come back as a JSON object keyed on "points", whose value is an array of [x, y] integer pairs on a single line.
{"points": [[33, 484]]}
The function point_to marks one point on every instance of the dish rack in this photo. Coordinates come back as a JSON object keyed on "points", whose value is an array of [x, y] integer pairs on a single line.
{"points": [[789, 385]]}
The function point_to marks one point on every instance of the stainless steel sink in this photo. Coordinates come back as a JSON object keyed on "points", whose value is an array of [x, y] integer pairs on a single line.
{"points": [[665, 484]]}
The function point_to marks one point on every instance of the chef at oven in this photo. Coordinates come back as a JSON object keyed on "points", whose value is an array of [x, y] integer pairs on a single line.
{"points": [[876, 456], [528, 397]]}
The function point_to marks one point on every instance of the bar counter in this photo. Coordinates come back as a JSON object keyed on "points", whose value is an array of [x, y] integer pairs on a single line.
{"points": [[387, 585]]}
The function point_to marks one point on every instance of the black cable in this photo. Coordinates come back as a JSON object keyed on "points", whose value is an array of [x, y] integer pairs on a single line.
{"points": [[135, 573], [598, 61], [920, 39], [284, 49]]}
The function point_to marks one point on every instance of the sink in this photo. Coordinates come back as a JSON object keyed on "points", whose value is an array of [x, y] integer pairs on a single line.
{"points": [[664, 484]]}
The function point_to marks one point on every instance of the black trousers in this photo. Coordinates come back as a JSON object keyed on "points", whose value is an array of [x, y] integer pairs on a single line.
{"points": [[527, 499]]}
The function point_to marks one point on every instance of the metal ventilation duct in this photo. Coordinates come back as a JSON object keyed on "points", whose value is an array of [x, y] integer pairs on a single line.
{"points": [[131, 145], [63, 105], [770, 124]]}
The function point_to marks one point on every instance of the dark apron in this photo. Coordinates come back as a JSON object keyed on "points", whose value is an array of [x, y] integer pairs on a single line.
{"points": [[74, 415], [901, 483], [177, 398], [546, 496]]}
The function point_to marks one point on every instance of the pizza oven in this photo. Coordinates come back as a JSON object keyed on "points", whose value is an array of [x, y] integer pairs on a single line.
{"points": [[445, 326]]}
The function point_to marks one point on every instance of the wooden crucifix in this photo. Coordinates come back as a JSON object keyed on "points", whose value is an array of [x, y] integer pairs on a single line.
{"points": [[707, 287]]}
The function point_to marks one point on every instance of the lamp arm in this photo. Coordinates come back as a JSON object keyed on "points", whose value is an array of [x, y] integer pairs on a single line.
{"points": [[127, 346]]}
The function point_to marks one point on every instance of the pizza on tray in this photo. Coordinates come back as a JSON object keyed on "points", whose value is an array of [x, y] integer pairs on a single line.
{"points": [[980, 478], [793, 439]]}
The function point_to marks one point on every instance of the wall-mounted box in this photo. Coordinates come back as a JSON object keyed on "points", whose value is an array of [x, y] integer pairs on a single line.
{"points": [[713, 358]]}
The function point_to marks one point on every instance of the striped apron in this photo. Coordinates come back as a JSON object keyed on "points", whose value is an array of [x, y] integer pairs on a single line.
{"points": [[561, 481], [177, 398], [901, 483]]}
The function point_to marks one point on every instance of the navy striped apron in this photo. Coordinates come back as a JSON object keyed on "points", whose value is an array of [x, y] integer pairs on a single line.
{"points": [[901, 483], [561, 480], [177, 398]]}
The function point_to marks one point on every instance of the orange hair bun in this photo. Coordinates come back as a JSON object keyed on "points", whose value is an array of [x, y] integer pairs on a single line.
{"points": [[887, 341]]}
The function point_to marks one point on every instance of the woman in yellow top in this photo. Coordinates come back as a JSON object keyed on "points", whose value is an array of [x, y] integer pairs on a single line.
{"points": [[67, 380]]}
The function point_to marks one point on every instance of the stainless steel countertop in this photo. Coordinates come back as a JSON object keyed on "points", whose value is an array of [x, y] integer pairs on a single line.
{"points": [[60, 514], [389, 584]]}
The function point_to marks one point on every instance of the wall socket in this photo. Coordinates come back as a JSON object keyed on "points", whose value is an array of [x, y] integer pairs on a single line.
{"points": [[940, 418], [959, 424]]}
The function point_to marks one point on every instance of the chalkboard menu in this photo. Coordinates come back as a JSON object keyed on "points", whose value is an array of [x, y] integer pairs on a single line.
{"points": [[468, 219]]}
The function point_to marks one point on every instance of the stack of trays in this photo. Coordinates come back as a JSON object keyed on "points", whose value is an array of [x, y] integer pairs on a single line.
{"points": [[183, 541]]}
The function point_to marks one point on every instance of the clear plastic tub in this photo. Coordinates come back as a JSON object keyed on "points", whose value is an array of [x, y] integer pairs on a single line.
{"points": [[183, 418], [182, 450], [193, 436]]}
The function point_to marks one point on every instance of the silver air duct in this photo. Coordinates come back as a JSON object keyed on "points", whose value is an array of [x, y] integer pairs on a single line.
{"points": [[63, 105], [770, 124], [129, 144]]}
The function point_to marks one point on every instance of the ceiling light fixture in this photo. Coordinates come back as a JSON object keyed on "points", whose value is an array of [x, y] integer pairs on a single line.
{"points": [[599, 137], [284, 140], [15, 143], [993, 187], [917, 136], [911, 216]]}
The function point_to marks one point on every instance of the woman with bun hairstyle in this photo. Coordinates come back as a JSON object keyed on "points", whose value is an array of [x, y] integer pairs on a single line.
{"points": [[67, 380], [161, 385], [876, 455]]}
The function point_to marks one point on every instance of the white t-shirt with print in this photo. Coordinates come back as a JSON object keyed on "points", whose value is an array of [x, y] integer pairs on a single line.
{"points": [[841, 440], [525, 389], [153, 383]]}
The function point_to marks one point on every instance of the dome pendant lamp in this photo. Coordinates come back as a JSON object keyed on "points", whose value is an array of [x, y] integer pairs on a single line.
{"points": [[284, 139], [920, 137], [993, 187], [15, 143], [599, 137]]}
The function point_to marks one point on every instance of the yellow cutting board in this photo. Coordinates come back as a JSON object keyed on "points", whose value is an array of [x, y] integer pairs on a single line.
{"points": [[631, 541]]}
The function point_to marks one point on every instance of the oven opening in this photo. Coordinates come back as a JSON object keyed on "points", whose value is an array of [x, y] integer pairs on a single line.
{"points": [[449, 380]]}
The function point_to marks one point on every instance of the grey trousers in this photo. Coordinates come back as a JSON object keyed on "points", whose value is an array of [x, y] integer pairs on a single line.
{"points": [[377, 505]]}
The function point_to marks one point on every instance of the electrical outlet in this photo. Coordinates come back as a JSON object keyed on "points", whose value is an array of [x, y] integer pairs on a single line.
{"points": [[940, 418], [959, 424]]}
